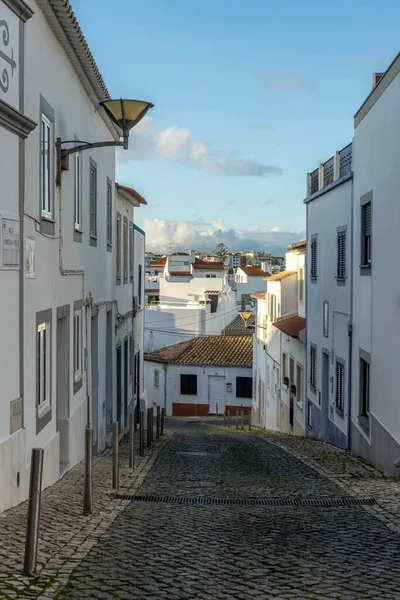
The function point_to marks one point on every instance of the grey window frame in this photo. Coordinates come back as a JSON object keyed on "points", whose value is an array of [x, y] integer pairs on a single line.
{"points": [[284, 360], [313, 377], [118, 252], [47, 222], [93, 202], [364, 416], [341, 256], [314, 270], [340, 363], [109, 223], [325, 318], [365, 269], [125, 245], [43, 416], [131, 240], [78, 225]]}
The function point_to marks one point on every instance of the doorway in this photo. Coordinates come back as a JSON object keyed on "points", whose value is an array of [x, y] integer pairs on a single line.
{"points": [[109, 378], [95, 377], [325, 394], [63, 386], [126, 383], [216, 395], [119, 384], [291, 401]]}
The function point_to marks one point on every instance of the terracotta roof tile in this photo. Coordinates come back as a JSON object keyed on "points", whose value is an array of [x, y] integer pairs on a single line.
{"points": [[260, 296], [208, 266], [298, 245], [291, 325], [208, 351], [281, 275], [254, 271], [132, 192], [180, 274], [180, 254], [159, 262]]}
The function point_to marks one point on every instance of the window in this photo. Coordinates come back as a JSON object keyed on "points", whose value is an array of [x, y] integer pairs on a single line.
{"points": [[131, 354], [125, 250], [46, 166], [189, 385], [109, 213], [77, 344], [341, 256], [244, 387], [299, 384], [339, 386], [43, 366], [291, 371], [313, 367], [213, 276], [78, 191], [93, 199], [301, 286], [156, 377], [366, 229], [325, 318], [364, 388], [314, 249], [140, 285], [118, 248], [131, 252], [284, 366], [273, 307]]}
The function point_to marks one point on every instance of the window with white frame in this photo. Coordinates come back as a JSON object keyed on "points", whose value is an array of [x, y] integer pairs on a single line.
{"points": [[339, 386], [45, 166], [43, 366], [93, 201], [109, 214], [77, 344], [313, 367], [78, 191]]}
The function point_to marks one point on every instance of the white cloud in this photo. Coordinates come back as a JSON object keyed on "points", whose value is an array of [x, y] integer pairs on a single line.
{"points": [[162, 234], [177, 143]]}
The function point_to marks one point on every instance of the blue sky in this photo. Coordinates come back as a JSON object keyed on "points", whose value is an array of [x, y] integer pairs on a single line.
{"points": [[248, 98]]}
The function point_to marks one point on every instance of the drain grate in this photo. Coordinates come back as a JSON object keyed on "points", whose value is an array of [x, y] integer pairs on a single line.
{"points": [[323, 502]]}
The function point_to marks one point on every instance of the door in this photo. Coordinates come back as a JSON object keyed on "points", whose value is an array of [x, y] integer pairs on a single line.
{"points": [[119, 384], [325, 395], [216, 395], [126, 383], [109, 378], [63, 390], [291, 401], [95, 377]]}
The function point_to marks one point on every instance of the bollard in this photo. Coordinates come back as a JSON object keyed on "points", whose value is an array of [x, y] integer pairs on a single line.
{"points": [[158, 422], [32, 530], [225, 417], [249, 420], [148, 428], [152, 424], [216, 405], [88, 484], [115, 456], [237, 419], [229, 418], [141, 433], [132, 441], [162, 420], [241, 420]]}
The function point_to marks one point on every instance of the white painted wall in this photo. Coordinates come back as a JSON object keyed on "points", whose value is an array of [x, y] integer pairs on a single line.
{"points": [[192, 290]]}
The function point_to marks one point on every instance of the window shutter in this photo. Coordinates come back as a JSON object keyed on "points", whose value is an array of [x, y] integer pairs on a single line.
{"points": [[341, 255], [367, 218], [339, 386], [314, 258]]}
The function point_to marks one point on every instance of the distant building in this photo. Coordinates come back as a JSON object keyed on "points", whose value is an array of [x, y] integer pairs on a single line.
{"points": [[248, 280]]}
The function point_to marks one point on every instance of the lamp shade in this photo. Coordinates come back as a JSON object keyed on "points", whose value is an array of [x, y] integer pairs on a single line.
{"points": [[126, 113]]}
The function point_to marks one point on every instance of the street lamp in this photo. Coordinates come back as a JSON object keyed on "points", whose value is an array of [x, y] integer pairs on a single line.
{"points": [[124, 113]]}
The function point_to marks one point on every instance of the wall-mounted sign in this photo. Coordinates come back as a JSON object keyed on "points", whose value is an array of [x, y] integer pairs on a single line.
{"points": [[30, 258]]}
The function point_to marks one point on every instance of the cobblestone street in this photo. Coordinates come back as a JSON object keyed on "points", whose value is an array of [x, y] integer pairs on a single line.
{"points": [[150, 549]]}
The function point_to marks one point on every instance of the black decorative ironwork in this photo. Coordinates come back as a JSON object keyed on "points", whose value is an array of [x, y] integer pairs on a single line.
{"points": [[314, 181], [328, 172], [5, 76], [345, 160]]}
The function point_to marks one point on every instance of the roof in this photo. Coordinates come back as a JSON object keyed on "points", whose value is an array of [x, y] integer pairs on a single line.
{"points": [[66, 29], [291, 325], [180, 274], [281, 275], [204, 265], [298, 245], [159, 262], [259, 296], [239, 327], [132, 192], [208, 351], [180, 254], [254, 271]]}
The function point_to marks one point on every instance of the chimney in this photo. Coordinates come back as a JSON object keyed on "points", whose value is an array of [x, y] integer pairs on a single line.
{"points": [[376, 77]]}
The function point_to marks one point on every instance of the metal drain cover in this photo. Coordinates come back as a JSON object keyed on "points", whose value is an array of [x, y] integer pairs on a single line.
{"points": [[302, 502]]}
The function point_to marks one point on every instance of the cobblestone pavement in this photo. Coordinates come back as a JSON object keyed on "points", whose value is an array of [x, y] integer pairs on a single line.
{"points": [[146, 550]]}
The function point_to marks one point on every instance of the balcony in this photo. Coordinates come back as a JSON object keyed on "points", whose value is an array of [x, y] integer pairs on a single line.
{"points": [[338, 166]]}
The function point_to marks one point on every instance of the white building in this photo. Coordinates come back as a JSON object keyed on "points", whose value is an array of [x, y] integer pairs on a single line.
{"points": [[279, 348], [248, 280], [375, 410], [329, 289], [58, 247], [202, 376]]}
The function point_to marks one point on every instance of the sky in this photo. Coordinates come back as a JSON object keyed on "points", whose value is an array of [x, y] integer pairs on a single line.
{"points": [[249, 97]]}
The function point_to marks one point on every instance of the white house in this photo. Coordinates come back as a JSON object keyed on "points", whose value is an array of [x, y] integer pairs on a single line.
{"points": [[279, 348], [58, 247], [248, 280], [202, 376], [375, 410], [329, 289], [128, 260]]}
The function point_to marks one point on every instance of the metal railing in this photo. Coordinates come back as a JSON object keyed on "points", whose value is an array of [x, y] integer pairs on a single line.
{"points": [[328, 171], [346, 155], [314, 181]]}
